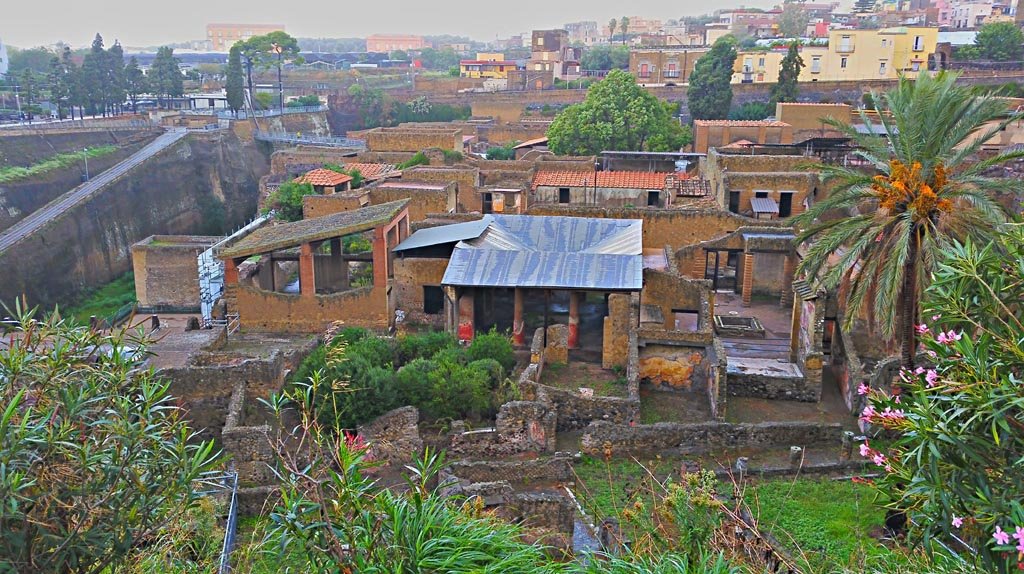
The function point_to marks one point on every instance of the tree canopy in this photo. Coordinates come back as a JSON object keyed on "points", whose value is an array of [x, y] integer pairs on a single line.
{"points": [[786, 89], [234, 85], [605, 57], [617, 114], [165, 77], [1000, 42], [710, 93], [793, 20]]}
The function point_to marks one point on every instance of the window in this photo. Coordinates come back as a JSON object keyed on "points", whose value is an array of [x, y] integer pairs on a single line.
{"points": [[653, 199], [760, 62], [645, 70], [842, 63], [918, 43], [846, 44], [915, 66], [433, 299], [748, 64], [816, 65], [540, 40], [881, 68], [673, 70], [885, 42], [563, 195], [734, 201], [487, 204], [761, 194]]}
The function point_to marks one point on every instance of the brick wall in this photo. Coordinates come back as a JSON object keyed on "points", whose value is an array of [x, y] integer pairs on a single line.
{"points": [[166, 270], [292, 313], [411, 274], [465, 179], [404, 139], [703, 437]]}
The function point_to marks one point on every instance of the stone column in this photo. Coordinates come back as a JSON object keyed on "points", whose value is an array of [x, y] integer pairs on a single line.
{"points": [[518, 325], [380, 258], [466, 326], [794, 332], [307, 279], [788, 270], [230, 272], [574, 319], [748, 277]]}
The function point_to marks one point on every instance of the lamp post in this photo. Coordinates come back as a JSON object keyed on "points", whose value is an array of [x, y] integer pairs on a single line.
{"points": [[85, 156], [279, 50]]}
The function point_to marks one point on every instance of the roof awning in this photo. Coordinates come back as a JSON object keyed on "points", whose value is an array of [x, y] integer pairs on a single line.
{"points": [[444, 234], [764, 205]]}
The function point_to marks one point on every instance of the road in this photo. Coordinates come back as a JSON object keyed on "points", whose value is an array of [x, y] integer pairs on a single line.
{"points": [[39, 218]]}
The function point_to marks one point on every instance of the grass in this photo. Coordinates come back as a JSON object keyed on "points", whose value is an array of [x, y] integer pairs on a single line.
{"points": [[59, 161], [572, 377], [104, 301], [254, 556], [825, 524]]}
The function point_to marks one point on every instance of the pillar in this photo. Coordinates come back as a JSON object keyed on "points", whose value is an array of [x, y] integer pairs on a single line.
{"points": [[230, 272], [307, 279], [380, 257], [788, 269], [466, 326], [518, 326], [574, 319], [748, 277], [794, 331]]}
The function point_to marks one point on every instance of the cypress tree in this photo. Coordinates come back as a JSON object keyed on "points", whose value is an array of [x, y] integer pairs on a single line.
{"points": [[710, 93], [235, 84], [789, 72]]}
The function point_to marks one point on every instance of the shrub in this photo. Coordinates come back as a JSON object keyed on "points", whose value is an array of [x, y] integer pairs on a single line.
{"points": [[413, 381], [286, 200], [376, 351], [423, 346], [495, 373], [505, 152], [459, 391], [419, 158], [493, 345]]}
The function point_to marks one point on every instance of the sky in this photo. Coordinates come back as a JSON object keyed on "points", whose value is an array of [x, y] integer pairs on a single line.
{"points": [[26, 24]]}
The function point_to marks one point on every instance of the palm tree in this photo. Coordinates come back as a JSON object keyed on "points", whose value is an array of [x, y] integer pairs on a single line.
{"points": [[624, 26], [612, 26], [925, 188]]}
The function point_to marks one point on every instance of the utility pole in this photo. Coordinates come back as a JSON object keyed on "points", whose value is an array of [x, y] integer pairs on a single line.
{"points": [[278, 49]]}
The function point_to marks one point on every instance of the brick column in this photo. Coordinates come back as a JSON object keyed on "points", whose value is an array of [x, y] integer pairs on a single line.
{"points": [[574, 319], [466, 326], [380, 257], [307, 279], [794, 331], [748, 277], [518, 326], [230, 272], [788, 269]]}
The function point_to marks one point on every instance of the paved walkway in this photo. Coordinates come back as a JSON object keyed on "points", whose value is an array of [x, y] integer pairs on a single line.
{"points": [[39, 218]]}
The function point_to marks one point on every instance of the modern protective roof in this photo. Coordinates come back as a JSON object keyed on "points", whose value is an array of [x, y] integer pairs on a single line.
{"points": [[551, 252], [285, 235], [445, 234], [764, 205]]}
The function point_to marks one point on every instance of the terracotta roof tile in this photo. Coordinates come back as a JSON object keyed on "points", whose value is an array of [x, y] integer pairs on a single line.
{"points": [[371, 170], [606, 179], [741, 123], [325, 177]]}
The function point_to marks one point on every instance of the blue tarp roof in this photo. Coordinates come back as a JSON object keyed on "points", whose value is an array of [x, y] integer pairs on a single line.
{"points": [[551, 252]]}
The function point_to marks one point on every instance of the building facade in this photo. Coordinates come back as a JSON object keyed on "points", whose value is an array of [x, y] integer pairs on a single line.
{"points": [[550, 52], [3, 58], [384, 43], [666, 66], [487, 65], [586, 33], [220, 37]]}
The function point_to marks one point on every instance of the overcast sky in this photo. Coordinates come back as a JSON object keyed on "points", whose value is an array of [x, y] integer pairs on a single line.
{"points": [[147, 23]]}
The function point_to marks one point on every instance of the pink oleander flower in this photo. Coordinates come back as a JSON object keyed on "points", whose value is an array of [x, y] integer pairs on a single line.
{"points": [[888, 468], [957, 521], [1001, 537], [919, 371], [878, 459], [921, 329], [931, 377], [896, 399], [931, 353], [867, 413], [865, 450], [1019, 534], [936, 318], [863, 389]]}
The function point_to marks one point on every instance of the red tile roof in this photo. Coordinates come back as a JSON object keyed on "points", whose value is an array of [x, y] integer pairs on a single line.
{"points": [[324, 177], [741, 123], [606, 179], [371, 170]]}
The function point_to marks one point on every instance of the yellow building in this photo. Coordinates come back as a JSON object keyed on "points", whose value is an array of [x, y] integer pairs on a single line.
{"points": [[221, 37], [849, 55], [486, 65]]}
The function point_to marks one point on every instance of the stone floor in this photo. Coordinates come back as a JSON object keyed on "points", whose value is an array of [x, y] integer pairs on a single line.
{"points": [[775, 318], [831, 408], [173, 346]]}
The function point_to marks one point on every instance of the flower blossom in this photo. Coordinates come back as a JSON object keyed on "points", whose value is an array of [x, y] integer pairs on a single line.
{"points": [[1019, 535], [1001, 537], [921, 329], [867, 413], [890, 414], [863, 389], [949, 337], [936, 318], [865, 450], [957, 521], [878, 459], [931, 377]]}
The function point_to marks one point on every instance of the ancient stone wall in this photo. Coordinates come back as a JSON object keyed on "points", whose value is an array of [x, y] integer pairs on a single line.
{"points": [[702, 437], [671, 292], [394, 436], [411, 275], [576, 411], [167, 271], [466, 180], [520, 427], [764, 385], [248, 447], [548, 469], [294, 313], [405, 139]]}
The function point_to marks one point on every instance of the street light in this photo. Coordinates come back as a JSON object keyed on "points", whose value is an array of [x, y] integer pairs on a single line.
{"points": [[279, 50], [85, 156]]}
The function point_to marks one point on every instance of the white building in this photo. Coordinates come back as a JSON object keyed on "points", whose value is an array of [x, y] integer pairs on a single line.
{"points": [[3, 57]]}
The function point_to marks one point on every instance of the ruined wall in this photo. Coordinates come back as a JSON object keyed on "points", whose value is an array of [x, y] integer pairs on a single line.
{"points": [[617, 325], [675, 368], [205, 184], [166, 270], [576, 411], [702, 437], [321, 205], [411, 275], [405, 139], [765, 385], [670, 292], [769, 275], [421, 202], [312, 123], [534, 470], [293, 313], [466, 180], [394, 436]]}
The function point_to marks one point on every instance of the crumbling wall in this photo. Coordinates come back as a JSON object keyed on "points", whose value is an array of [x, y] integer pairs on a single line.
{"points": [[248, 447], [521, 426], [394, 436], [762, 384], [296, 313], [404, 139], [167, 271], [411, 275], [601, 436], [548, 469]]}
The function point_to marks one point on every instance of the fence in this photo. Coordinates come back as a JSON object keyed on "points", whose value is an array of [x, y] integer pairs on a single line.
{"points": [[211, 483], [283, 137], [78, 126]]}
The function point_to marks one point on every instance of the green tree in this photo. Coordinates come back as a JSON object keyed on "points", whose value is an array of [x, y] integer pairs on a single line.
{"points": [[1000, 42], [443, 59], [369, 104], [752, 111], [235, 84], [613, 25], [72, 79], [617, 114], [624, 26], [286, 200], [955, 466], [116, 84], [97, 458], [259, 52], [925, 189], [793, 20], [35, 59], [786, 89], [165, 77], [134, 82], [29, 91], [93, 76], [399, 55], [505, 152], [710, 93], [60, 85], [605, 58]]}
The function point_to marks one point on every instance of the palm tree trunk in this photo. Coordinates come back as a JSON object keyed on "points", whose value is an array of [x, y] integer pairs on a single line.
{"points": [[910, 305]]}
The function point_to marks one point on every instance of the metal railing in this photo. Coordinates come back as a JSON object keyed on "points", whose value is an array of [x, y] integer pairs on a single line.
{"points": [[211, 483], [283, 137]]}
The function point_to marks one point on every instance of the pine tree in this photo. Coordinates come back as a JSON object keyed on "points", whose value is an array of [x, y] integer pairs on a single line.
{"points": [[60, 92], [235, 83], [93, 77], [166, 74], [789, 72], [116, 90], [710, 93], [134, 82], [73, 79]]}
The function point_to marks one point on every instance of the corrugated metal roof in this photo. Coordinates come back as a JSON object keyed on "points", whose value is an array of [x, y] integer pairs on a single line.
{"points": [[764, 205], [444, 234], [551, 252]]}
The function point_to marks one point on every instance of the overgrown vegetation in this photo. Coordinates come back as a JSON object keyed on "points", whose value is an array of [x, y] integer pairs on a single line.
{"points": [[419, 158], [365, 376], [286, 200], [104, 302], [505, 153], [752, 111], [357, 177], [59, 161]]}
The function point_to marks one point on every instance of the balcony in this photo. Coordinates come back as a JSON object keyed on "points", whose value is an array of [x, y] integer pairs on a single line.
{"points": [[672, 73], [844, 47]]}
